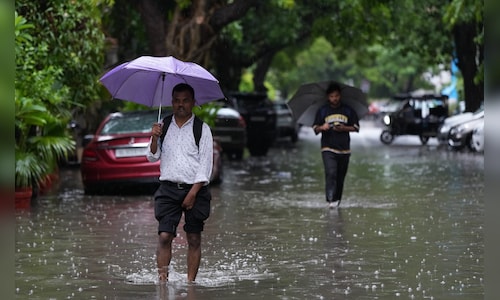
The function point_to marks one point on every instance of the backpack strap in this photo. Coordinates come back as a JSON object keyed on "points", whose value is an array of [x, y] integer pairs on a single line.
{"points": [[197, 129], [166, 123]]}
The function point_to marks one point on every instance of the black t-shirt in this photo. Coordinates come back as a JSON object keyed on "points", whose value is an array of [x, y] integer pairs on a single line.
{"points": [[331, 140]]}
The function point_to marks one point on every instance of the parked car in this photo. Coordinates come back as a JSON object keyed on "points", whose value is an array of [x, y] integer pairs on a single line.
{"points": [[444, 129], [230, 132], [260, 117], [478, 137], [461, 134], [114, 158], [285, 122]]}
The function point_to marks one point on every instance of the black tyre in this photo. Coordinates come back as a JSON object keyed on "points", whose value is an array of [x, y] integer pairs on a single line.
{"points": [[470, 143], [386, 137], [258, 145], [258, 149], [92, 190], [294, 136]]}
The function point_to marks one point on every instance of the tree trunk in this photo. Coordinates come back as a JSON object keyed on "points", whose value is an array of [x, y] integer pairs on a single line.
{"points": [[469, 54], [260, 72], [190, 32], [228, 68], [155, 25]]}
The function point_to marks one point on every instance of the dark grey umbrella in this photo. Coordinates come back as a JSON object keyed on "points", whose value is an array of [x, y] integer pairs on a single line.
{"points": [[311, 96]]}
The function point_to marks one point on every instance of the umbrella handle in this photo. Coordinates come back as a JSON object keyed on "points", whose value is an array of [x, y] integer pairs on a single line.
{"points": [[159, 113]]}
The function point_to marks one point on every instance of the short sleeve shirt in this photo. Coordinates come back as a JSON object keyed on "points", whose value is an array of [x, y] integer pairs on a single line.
{"points": [[331, 140]]}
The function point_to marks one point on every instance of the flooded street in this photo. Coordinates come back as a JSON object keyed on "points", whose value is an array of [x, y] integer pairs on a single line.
{"points": [[410, 226]]}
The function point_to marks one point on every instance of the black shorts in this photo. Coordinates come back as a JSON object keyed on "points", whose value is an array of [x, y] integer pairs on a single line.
{"points": [[168, 209]]}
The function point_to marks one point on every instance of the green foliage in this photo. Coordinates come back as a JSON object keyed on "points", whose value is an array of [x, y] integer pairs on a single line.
{"points": [[65, 36], [41, 140], [390, 44], [246, 83], [7, 74], [41, 135], [388, 70], [207, 112]]}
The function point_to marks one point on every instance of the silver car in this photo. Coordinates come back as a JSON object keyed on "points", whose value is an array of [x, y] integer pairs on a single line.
{"points": [[478, 138], [461, 134], [450, 122], [285, 123]]}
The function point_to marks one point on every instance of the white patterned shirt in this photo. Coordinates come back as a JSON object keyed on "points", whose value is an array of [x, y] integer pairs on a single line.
{"points": [[181, 160]]}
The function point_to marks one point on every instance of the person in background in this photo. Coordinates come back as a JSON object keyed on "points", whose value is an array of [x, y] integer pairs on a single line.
{"points": [[335, 121], [185, 169]]}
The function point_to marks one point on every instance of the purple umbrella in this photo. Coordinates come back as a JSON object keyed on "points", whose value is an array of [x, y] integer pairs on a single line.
{"points": [[149, 80]]}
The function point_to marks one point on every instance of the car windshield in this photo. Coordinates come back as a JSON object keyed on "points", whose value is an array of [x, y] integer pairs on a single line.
{"points": [[123, 123]]}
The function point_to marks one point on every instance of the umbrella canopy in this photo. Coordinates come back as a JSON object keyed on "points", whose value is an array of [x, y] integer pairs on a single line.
{"points": [[311, 96], [149, 80]]}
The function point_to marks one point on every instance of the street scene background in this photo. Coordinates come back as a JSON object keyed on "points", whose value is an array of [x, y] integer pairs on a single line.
{"points": [[410, 226]]}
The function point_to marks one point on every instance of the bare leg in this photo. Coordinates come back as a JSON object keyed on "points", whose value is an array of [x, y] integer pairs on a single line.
{"points": [[164, 254], [193, 255]]}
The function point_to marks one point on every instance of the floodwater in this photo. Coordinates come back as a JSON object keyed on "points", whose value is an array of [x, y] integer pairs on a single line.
{"points": [[410, 226]]}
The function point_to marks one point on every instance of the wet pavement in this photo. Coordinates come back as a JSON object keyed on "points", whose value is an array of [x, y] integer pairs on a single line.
{"points": [[410, 226]]}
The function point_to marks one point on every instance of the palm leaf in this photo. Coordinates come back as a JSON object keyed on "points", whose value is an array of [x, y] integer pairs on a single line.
{"points": [[29, 169]]}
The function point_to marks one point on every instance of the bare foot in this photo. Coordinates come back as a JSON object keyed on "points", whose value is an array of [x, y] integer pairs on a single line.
{"points": [[162, 277]]}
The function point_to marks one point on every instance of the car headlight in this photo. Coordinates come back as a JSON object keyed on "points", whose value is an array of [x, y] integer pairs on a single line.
{"points": [[387, 120], [444, 129]]}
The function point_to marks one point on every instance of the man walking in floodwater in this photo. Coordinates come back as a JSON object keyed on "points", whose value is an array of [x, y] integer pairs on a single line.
{"points": [[335, 121], [185, 168]]}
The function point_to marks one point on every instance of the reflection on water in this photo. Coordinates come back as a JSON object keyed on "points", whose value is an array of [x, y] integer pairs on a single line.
{"points": [[410, 226]]}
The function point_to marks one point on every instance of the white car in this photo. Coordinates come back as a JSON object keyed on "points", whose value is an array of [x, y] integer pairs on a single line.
{"points": [[450, 122], [478, 137], [461, 134]]}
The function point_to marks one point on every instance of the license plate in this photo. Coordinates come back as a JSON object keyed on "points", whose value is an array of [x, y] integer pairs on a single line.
{"points": [[130, 152], [258, 118]]}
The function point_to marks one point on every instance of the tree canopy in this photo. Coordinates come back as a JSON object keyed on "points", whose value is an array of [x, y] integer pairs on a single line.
{"points": [[230, 37]]}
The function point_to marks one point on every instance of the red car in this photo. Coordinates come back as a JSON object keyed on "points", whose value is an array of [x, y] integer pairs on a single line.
{"points": [[114, 160]]}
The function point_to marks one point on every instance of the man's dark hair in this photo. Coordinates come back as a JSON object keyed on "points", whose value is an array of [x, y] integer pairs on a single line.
{"points": [[181, 87], [333, 87]]}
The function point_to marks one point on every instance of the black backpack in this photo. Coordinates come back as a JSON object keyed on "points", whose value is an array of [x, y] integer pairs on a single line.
{"points": [[197, 127]]}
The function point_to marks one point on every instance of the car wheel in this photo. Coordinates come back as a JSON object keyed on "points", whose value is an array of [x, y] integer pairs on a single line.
{"points": [[456, 147], [259, 145], [470, 143], [258, 149], [294, 136], [91, 190], [386, 137], [424, 139]]}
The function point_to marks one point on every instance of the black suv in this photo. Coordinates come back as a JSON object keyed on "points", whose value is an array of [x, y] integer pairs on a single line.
{"points": [[260, 117]]}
